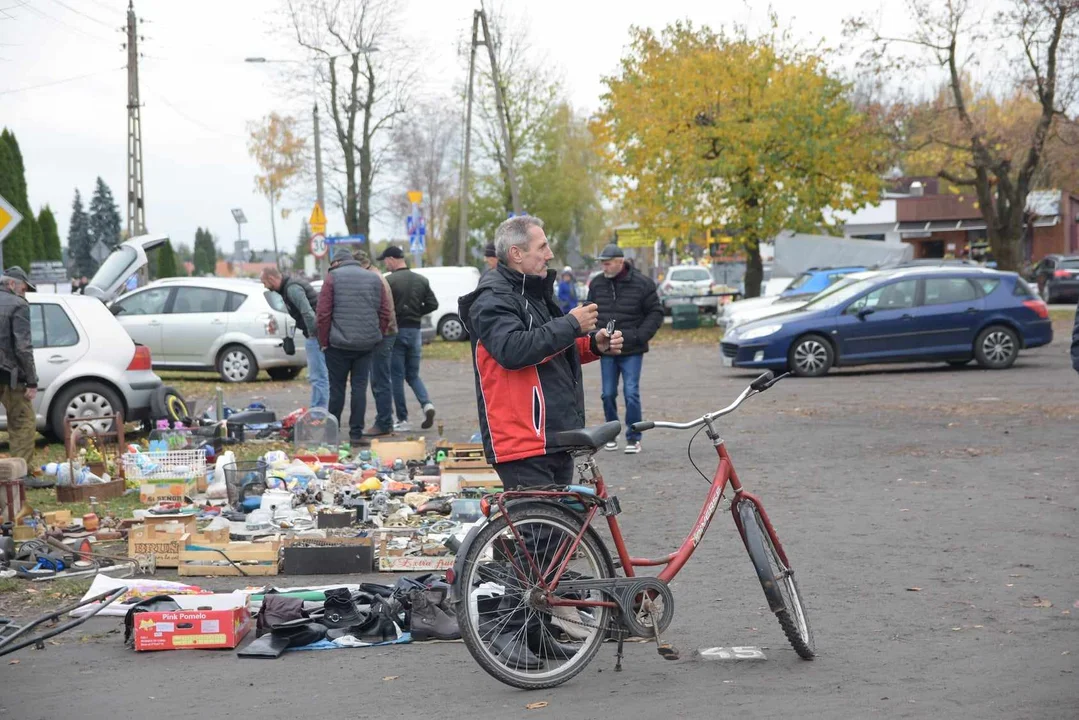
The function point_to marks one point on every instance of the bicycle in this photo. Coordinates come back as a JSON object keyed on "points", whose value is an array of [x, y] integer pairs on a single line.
{"points": [[535, 586]]}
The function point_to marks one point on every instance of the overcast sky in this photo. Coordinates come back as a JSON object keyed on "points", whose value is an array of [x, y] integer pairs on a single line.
{"points": [[199, 95]]}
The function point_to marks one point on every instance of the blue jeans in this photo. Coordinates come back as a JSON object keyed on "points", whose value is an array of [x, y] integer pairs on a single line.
{"points": [[407, 352], [342, 364], [317, 374], [629, 366], [381, 383]]}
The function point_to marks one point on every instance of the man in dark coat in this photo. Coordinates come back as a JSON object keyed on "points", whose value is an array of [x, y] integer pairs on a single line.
{"points": [[18, 374], [626, 296]]}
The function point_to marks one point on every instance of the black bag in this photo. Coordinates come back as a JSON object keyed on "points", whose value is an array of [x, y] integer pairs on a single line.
{"points": [[289, 345]]}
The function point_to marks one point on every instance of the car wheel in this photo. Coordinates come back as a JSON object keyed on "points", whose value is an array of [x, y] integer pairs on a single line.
{"points": [[283, 373], [811, 356], [1047, 294], [451, 329], [84, 400], [996, 347], [236, 364]]}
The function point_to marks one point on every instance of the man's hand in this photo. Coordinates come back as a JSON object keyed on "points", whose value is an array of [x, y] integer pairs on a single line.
{"points": [[609, 344], [586, 316], [30, 393]]}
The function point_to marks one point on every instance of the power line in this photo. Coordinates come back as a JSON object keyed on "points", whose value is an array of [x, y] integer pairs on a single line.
{"points": [[59, 82], [192, 120], [69, 26], [88, 17]]}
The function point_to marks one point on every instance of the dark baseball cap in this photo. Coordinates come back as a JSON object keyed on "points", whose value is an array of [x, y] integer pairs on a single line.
{"points": [[17, 273], [489, 251], [610, 252], [392, 251]]}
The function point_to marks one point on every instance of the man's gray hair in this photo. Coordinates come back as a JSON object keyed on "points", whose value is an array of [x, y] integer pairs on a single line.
{"points": [[514, 233]]}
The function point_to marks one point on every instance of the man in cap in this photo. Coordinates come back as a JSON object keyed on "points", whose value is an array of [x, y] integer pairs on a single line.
{"points": [[381, 373], [490, 258], [354, 313], [301, 301], [18, 375], [412, 299], [626, 296]]}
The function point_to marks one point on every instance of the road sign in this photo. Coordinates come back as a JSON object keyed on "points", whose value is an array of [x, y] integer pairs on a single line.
{"points": [[417, 234], [318, 245], [9, 218], [347, 240], [415, 197], [317, 222], [100, 251]]}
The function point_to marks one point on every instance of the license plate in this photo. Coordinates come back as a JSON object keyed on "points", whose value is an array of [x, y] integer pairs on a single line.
{"points": [[728, 362], [679, 301]]}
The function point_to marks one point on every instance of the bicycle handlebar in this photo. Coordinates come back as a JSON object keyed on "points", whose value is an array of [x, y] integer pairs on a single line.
{"points": [[762, 383]]}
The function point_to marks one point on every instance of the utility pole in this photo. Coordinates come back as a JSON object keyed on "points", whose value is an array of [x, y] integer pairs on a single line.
{"points": [[136, 206], [324, 262], [479, 18]]}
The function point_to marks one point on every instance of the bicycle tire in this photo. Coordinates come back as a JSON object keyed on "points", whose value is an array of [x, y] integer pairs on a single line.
{"points": [[782, 592], [468, 610]]}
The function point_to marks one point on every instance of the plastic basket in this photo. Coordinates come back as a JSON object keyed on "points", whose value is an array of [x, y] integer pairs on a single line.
{"points": [[315, 429], [244, 478], [163, 466]]}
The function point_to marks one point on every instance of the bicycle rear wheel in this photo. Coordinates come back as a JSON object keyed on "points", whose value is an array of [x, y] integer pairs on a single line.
{"points": [[777, 579], [505, 619]]}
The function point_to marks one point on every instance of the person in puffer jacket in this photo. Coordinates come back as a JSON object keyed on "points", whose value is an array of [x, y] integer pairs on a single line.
{"points": [[527, 358]]}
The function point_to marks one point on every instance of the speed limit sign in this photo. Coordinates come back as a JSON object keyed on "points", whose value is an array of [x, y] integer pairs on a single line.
{"points": [[318, 245]]}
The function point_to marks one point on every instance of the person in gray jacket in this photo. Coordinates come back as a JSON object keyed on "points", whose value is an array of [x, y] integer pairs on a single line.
{"points": [[354, 313], [18, 375]]}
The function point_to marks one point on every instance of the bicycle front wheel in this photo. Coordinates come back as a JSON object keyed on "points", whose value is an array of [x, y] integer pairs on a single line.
{"points": [[777, 579], [505, 617]]}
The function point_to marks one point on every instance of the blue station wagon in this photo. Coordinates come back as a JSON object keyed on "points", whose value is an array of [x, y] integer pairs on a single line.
{"points": [[946, 314]]}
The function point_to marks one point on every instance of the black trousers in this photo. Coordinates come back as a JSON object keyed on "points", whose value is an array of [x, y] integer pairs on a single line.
{"points": [[536, 471], [348, 367]]}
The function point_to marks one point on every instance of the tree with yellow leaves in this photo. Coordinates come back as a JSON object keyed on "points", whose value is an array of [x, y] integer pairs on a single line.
{"points": [[702, 130], [279, 152]]}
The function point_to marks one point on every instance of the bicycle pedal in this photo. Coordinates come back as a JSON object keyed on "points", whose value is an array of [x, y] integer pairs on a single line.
{"points": [[668, 651]]}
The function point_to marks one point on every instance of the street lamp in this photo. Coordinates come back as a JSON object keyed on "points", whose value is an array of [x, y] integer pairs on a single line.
{"points": [[240, 218]]}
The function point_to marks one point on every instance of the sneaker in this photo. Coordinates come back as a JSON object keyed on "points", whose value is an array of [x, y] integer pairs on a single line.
{"points": [[576, 624], [633, 448], [402, 426], [428, 416], [612, 445]]}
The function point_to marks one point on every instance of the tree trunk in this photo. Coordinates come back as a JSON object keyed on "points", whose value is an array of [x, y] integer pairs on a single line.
{"points": [[273, 228], [754, 269]]}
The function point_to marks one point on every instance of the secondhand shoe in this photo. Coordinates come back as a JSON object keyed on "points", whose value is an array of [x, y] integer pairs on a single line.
{"points": [[428, 416], [428, 620], [542, 643], [633, 448], [574, 623], [511, 647], [612, 445], [378, 433]]}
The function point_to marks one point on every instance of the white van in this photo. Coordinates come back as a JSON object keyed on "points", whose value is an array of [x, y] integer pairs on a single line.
{"points": [[449, 284]]}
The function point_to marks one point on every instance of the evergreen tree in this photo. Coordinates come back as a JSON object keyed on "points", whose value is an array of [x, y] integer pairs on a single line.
{"points": [[166, 262], [19, 245], [204, 256], [78, 240], [104, 217], [49, 234]]}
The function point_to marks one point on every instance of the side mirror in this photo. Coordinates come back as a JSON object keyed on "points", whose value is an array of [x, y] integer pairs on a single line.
{"points": [[865, 312], [116, 309]]}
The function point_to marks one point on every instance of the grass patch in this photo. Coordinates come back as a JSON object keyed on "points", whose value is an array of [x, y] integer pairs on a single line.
{"points": [[44, 499], [1068, 315], [10, 585], [668, 336], [439, 349]]}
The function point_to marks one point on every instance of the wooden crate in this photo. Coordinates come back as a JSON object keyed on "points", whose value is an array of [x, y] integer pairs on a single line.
{"points": [[83, 493], [266, 554]]}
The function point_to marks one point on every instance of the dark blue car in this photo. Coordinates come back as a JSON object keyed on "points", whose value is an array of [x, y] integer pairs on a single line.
{"points": [[944, 314]]}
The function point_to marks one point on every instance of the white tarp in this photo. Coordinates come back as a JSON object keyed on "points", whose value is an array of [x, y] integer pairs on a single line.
{"points": [[797, 252]]}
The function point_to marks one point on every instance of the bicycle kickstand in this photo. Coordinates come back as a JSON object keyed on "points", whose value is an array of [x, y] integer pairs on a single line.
{"points": [[618, 652]]}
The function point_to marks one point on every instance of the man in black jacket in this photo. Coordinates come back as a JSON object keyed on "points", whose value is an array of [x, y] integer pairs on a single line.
{"points": [[18, 374], [624, 295], [301, 302], [412, 299]]}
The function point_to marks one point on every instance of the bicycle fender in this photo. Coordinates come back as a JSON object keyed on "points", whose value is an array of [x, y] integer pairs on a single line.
{"points": [[459, 560]]}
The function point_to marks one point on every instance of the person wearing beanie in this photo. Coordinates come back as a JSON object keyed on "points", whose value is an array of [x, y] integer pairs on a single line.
{"points": [[490, 257]]}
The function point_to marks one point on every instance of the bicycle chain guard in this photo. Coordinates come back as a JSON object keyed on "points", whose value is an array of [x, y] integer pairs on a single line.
{"points": [[628, 592]]}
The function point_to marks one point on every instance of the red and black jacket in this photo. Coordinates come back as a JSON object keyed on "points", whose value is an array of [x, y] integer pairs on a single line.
{"points": [[527, 356]]}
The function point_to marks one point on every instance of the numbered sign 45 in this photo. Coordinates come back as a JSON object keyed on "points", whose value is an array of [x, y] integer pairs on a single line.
{"points": [[318, 245]]}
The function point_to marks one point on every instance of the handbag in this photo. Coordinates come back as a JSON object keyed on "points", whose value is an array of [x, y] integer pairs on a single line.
{"points": [[289, 345]]}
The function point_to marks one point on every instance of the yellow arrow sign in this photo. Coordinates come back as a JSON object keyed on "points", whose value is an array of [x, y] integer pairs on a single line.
{"points": [[9, 218], [317, 221], [415, 197]]}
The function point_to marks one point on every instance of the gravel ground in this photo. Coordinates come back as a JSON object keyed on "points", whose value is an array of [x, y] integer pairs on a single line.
{"points": [[931, 514]]}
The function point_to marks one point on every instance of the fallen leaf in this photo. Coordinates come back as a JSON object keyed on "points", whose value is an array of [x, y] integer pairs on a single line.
{"points": [[391, 677], [1010, 585], [13, 662], [957, 628], [979, 626], [914, 589], [1042, 603], [537, 705], [1065, 612]]}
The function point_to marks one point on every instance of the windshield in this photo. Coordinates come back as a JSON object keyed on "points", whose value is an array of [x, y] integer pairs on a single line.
{"points": [[117, 267], [690, 275], [1070, 263], [839, 293], [800, 281]]}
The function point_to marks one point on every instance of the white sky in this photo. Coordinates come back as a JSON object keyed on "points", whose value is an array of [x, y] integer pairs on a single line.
{"points": [[199, 95]]}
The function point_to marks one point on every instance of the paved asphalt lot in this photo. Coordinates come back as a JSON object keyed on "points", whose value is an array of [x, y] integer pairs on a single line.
{"points": [[930, 513]]}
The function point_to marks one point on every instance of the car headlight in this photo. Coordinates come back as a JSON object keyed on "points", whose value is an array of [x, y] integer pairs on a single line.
{"points": [[763, 331]]}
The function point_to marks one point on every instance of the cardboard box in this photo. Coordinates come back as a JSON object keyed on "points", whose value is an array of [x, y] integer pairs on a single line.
{"points": [[256, 558], [164, 540], [407, 450], [168, 491], [415, 563], [191, 629], [455, 481], [188, 521], [58, 517]]}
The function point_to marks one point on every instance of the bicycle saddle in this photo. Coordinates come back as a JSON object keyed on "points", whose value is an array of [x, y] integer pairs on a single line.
{"points": [[593, 437]]}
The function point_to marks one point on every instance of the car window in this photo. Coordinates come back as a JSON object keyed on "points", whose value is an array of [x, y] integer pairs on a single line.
{"points": [[1070, 263], [235, 301], [894, 296], [944, 291], [276, 301], [690, 275], [147, 302], [51, 327], [1023, 289], [199, 300], [800, 281], [988, 285], [117, 266]]}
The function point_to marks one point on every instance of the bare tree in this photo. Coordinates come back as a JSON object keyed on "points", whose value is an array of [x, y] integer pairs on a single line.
{"points": [[424, 150], [1036, 45], [362, 73]]}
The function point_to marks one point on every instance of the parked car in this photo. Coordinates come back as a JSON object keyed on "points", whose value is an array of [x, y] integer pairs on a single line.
{"points": [[688, 284], [801, 289], [1057, 277], [87, 365], [952, 315], [234, 327], [785, 303]]}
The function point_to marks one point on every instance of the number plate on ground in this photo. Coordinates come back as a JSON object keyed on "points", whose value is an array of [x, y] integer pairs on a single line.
{"points": [[747, 652]]}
